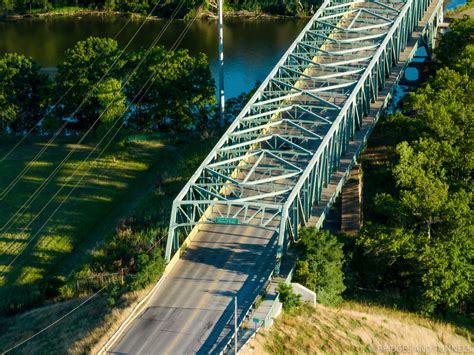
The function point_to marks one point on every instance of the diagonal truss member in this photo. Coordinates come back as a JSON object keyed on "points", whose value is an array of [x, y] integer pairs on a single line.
{"points": [[269, 168]]}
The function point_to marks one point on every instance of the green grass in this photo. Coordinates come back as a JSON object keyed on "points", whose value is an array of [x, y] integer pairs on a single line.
{"points": [[120, 185], [113, 187], [78, 333]]}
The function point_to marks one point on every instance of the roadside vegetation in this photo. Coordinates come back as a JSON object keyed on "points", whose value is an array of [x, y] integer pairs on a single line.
{"points": [[117, 231], [416, 248], [319, 266], [415, 251], [119, 201], [78, 333], [86, 195], [86, 198]]}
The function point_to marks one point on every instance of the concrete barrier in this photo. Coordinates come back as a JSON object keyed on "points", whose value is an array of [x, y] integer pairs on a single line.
{"points": [[306, 294]]}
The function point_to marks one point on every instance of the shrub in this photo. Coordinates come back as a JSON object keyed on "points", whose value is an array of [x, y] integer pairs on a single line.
{"points": [[50, 286], [289, 299], [150, 266], [320, 265]]}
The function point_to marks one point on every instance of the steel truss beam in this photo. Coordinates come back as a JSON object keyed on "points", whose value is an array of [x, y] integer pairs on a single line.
{"points": [[269, 168]]}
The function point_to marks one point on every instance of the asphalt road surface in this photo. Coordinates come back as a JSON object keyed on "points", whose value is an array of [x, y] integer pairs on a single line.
{"points": [[192, 312]]}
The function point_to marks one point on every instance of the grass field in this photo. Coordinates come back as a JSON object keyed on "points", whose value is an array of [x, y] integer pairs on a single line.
{"points": [[121, 184], [112, 187], [77, 333], [355, 328]]}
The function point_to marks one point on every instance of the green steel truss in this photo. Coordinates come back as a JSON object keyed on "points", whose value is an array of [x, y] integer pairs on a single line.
{"points": [[269, 168]]}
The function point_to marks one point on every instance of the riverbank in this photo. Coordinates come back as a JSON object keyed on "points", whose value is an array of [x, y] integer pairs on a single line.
{"points": [[203, 14]]}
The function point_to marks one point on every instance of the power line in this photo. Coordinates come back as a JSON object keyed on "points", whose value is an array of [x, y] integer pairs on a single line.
{"points": [[44, 183], [55, 322], [23, 138], [27, 168], [69, 313], [175, 45]]}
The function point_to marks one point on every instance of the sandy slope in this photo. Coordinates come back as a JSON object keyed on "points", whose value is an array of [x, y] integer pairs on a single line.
{"points": [[355, 328]]}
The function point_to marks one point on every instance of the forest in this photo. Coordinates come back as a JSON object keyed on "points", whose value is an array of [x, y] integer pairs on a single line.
{"points": [[416, 248], [159, 8]]}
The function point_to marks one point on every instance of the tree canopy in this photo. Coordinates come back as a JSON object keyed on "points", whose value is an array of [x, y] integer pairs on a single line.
{"points": [[84, 66], [319, 266], [95, 84], [425, 246], [23, 92], [163, 9], [180, 90]]}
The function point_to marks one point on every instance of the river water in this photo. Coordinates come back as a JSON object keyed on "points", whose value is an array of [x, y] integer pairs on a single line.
{"points": [[252, 46]]}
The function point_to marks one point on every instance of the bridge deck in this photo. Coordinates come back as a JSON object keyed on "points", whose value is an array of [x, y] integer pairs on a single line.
{"points": [[194, 304], [191, 310]]}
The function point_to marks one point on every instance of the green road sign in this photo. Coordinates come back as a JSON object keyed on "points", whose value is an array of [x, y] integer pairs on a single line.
{"points": [[227, 220], [256, 320]]}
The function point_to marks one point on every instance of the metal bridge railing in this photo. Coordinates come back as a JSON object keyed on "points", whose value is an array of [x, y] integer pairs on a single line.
{"points": [[269, 168]]}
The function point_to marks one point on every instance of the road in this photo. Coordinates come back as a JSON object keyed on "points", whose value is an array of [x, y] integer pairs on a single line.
{"points": [[192, 310]]}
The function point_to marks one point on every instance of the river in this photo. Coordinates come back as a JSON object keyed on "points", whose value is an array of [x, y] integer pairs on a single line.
{"points": [[252, 46]]}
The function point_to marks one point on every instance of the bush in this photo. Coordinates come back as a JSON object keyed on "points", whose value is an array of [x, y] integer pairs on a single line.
{"points": [[289, 299], [150, 266], [320, 265], [50, 286]]}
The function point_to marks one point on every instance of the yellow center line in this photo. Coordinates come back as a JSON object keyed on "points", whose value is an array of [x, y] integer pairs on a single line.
{"points": [[199, 305]]}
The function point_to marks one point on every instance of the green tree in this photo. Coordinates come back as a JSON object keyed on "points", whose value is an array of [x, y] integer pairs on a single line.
{"points": [[235, 105], [449, 275], [7, 5], [445, 109], [426, 243], [434, 269], [150, 267], [424, 193], [109, 5], [320, 265], [181, 92], [451, 48], [23, 92], [84, 66]]}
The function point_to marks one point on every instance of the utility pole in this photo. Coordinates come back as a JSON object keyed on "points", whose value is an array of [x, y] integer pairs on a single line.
{"points": [[235, 325], [220, 29]]}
